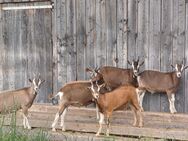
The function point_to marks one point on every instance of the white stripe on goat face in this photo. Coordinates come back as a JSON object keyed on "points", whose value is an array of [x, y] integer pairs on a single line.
{"points": [[178, 72], [35, 85]]}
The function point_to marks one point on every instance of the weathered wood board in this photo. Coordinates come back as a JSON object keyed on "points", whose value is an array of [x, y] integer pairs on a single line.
{"points": [[157, 125]]}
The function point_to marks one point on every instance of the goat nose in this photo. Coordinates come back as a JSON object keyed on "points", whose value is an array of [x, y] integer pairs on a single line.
{"points": [[178, 74]]}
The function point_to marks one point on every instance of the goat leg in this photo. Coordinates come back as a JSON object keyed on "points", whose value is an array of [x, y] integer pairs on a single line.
{"points": [[134, 115], [55, 121], [101, 122], [25, 119], [171, 98], [63, 119], [108, 126]]}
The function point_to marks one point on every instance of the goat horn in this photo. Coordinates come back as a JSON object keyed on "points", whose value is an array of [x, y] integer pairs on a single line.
{"points": [[138, 59]]}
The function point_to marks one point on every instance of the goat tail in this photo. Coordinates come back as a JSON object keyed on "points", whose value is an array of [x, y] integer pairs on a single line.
{"points": [[54, 98]]}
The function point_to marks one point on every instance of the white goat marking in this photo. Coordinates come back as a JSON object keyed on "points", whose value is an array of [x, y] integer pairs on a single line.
{"points": [[171, 102], [101, 121], [60, 94], [55, 121], [63, 119]]}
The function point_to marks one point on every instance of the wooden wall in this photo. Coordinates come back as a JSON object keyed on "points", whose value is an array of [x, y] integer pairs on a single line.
{"points": [[25, 48], [89, 33]]}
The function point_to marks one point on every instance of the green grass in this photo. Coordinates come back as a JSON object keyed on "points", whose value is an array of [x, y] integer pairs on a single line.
{"points": [[14, 133]]}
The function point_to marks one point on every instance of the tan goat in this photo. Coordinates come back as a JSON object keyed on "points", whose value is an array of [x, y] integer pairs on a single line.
{"points": [[75, 93], [115, 99], [14, 100]]}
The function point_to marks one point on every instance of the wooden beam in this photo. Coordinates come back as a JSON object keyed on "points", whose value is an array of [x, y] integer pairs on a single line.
{"points": [[156, 125]]}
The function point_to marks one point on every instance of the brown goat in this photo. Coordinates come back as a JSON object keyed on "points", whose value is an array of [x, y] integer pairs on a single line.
{"points": [[115, 99], [76, 94], [114, 77], [155, 81], [11, 101]]}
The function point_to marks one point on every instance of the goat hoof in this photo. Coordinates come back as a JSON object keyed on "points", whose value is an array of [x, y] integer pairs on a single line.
{"points": [[134, 124], [53, 129], [29, 128], [142, 109], [140, 125], [63, 129], [98, 134], [107, 134]]}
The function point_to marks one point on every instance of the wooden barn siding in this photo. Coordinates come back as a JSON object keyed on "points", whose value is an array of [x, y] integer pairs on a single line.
{"points": [[25, 48], [109, 32], [89, 33]]}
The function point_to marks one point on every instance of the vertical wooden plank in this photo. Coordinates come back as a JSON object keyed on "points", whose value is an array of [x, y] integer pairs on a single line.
{"points": [[71, 33], [61, 42], [143, 40], [39, 49], [132, 29], [154, 50], [100, 33], [81, 39], [119, 28], [178, 46], [166, 45], [55, 22], [2, 48], [48, 48], [186, 56], [125, 34], [17, 49], [90, 35], [5, 68], [111, 32], [12, 44], [31, 45], [24, 37]]}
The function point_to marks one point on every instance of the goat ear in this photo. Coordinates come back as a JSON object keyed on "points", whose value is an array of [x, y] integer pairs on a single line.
{"points": [[185, 67], [42, 81], [89, 70], [138, 59], [129, 62], [30, 80], [142, 63], [172, 66]]}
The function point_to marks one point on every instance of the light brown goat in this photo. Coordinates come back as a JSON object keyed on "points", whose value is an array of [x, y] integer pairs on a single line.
{"points": [[76, 94], [11, 101], [115, 99]]}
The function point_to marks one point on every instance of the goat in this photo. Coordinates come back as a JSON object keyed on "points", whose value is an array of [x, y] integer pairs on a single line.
{"points": [[114, 77], [155, 81], [15, 100], [115, 99], [75, 93]]}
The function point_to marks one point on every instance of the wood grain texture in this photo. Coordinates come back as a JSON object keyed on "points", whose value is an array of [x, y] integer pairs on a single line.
{"points": [[186, 56], [179, 46], [90, 51], [132, 29], [101, 45], [81, 39], [166, 45], [71, 33], [154, 47], [143, 40], [111, 32], [157, 125]]}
